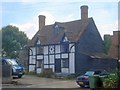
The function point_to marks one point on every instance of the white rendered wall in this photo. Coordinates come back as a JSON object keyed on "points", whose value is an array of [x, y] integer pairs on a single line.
{"points": [[45, 66], [65, 70], [32, 59], [38, 70], [45, 50], [33, 51], [39, 56], [46, 59], [31, 68], [57, 56], [72, 47], [57, 48], [64, 55], [51, 58], [52, 66], [72, 62]]}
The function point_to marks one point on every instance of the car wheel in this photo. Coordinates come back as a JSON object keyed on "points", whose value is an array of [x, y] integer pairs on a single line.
{"points": [[82, 86]]}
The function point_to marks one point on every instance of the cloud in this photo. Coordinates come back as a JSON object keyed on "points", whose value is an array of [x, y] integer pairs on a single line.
{"points": [[69, 17], [59, 1], [107, 28], [30, 28]]}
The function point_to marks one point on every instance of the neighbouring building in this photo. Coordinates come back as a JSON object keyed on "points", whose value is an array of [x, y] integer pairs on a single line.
{"points": [[68, 47], [114, 50]]}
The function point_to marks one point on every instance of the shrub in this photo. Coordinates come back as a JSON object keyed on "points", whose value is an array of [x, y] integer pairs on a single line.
{"points": [[46, 73], [68, 77], [41, 74], [111, 81], [30, 73]]}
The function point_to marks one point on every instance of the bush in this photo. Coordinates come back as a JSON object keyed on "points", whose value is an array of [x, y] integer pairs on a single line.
{"points": [[41, 74], [68, 77], [118, 73], [46, 73], [30, 73], [111, 81]]}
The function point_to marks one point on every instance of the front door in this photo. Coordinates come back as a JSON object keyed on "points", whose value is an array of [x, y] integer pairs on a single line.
{"points": [[57, 65]]}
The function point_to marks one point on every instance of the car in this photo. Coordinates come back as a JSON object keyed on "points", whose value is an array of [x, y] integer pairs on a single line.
{"points": [[17, 69], [83, 80]]}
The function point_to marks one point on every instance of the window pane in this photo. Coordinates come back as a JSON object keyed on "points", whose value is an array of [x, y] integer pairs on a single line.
{"points": [[39, 63], [39, 50], [65, 47], [65, 63]]}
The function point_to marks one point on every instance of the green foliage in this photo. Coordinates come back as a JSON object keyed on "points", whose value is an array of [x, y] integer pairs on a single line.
{"points": [[12, 41], [46, 73], [107, 43], [30, 73], [68, 77], [111, 81], [41, 74], [71, 76]]}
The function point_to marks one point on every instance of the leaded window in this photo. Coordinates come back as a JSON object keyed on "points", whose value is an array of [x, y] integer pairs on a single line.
{"points": [[65, 47], [39, 50], [39, 63], [65, 63]]}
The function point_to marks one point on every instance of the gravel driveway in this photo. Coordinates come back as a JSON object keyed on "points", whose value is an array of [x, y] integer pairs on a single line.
{"points": [[30, 81]]}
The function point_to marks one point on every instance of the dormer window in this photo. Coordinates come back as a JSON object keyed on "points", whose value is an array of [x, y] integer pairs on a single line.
{"points": [[65, 45], [56, 26], [65, 39], [39, 47], [38, 42], [56, 30]]}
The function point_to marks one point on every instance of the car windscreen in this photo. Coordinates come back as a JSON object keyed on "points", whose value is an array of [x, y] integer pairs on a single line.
{"points": [[12, 62], [89, 73]]}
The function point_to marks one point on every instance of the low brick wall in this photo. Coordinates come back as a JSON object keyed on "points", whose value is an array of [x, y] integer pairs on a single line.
{"points": [[6, 75]]}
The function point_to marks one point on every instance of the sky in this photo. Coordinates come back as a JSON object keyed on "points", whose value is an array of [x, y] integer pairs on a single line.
{"points": [[24, 13]]}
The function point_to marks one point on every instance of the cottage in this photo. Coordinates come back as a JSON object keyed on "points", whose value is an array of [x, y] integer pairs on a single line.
{"points": [[64, 47]]}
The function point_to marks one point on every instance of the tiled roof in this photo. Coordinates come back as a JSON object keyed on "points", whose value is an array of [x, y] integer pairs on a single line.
{"points": [[50, 34], [97, 55]]}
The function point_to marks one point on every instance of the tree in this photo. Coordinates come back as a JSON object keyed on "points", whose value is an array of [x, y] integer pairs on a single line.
{"points": [[13, 40], [107, 43]]}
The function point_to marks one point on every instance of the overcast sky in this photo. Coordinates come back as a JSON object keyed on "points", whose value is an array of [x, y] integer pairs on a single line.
{"points": [[24, 15]]}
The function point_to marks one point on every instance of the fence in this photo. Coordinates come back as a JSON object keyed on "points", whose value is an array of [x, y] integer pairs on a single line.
{"points": [[6, 73]]}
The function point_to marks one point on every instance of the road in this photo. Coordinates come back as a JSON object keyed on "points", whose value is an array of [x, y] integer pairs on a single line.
{"points": [[30, 81]]}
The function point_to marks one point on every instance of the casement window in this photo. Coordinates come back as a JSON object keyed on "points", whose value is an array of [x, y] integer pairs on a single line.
{"points": [[65, 63], [32, 59], [65, 47], [39, 50], [39, 63]]}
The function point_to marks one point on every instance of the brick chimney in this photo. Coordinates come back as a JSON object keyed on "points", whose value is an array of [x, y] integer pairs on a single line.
{"points": [[41, 21], [84, 12]]}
